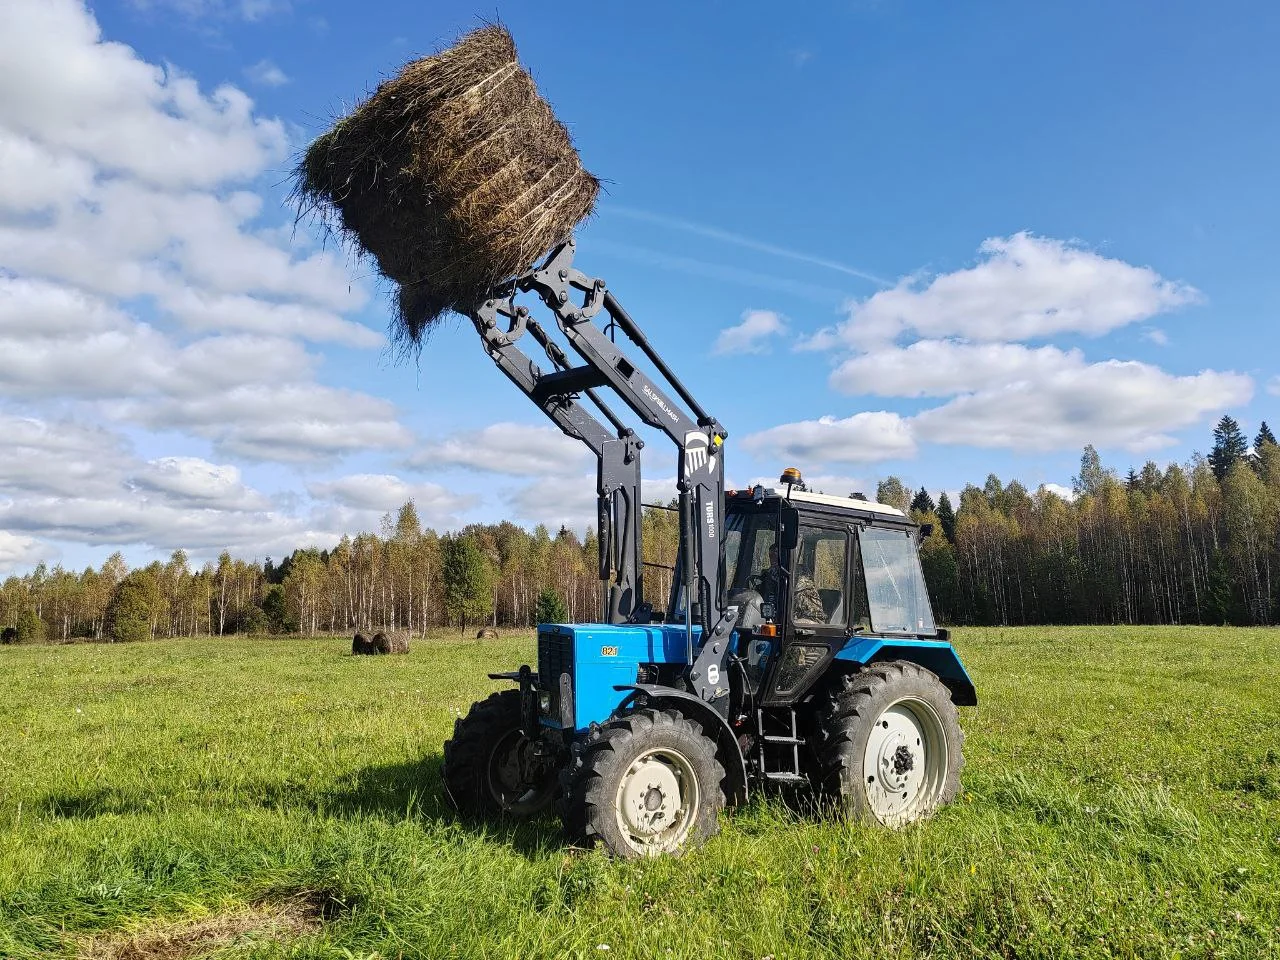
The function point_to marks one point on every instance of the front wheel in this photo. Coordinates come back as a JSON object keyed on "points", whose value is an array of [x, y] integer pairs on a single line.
{"points": [[491, 769], [644, 784], [889, 745]]}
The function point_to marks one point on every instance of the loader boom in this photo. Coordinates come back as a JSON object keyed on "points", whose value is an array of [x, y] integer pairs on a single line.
{"points": [[563, 392]]}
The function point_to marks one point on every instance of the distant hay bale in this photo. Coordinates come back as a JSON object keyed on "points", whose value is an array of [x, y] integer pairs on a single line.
{"points": [[454, 175], [488, 633], [391, 641]]}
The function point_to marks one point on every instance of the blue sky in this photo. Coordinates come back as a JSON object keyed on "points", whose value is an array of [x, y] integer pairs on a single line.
{"points": [[928, 239]]}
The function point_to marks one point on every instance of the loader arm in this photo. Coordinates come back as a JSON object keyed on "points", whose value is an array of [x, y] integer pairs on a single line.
{"points": [[561, 392]]}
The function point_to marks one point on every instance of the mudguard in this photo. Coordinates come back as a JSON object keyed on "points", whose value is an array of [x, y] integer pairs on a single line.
{"points": [[938, 656], [713, 725]]}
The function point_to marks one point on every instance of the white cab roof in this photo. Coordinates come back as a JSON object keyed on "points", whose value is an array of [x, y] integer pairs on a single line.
{"points": [[848, 503]]}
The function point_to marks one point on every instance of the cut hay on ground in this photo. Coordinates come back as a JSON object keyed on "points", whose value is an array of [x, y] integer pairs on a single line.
{"points": [[242, 929], [455, 175]]}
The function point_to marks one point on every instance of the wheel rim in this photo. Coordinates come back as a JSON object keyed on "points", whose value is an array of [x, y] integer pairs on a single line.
{"points": [[514, 781], [904, 767], [657, 802]]}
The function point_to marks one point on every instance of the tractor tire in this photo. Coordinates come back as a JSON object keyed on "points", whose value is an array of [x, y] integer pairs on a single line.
{"points": [[888, 745], [644, 784], [490, 772]]}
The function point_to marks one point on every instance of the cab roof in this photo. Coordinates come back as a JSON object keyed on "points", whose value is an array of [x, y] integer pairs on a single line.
{"points": [[847, 503], [826, 500]]}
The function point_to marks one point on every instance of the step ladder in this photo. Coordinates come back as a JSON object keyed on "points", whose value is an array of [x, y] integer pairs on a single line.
{"points": [[792, 739]]}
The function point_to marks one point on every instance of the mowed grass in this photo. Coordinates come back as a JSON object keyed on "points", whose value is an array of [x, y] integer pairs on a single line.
{"points": [[1122, 799]]}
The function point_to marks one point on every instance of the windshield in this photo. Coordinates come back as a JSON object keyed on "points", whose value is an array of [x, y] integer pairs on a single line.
{"points": [[896, 593]]}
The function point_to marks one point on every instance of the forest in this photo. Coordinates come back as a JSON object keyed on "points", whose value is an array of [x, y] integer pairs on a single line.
{"points": [[1197, 543]]}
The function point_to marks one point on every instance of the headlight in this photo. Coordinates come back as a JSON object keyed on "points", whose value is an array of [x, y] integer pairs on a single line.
{"points": [[544, 701]]}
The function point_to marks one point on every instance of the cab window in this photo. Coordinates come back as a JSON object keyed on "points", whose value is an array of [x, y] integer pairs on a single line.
{"points": [[821, 578]]}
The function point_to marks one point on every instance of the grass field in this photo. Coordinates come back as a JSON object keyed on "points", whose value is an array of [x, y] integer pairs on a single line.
{"points": [[1122, 799]]}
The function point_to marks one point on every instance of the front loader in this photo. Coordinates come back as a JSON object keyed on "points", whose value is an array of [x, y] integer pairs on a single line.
{"points": [[797, 647]]}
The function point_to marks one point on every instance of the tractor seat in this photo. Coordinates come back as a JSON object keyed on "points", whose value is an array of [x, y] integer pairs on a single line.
{"points": [[833, 605]]}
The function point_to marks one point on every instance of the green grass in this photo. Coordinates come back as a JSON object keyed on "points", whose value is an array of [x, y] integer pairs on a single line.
{"points": [[1122, 799]]}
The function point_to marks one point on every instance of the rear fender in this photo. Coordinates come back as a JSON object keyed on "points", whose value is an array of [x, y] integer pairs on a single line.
{"points": [[713, 725], [938, 656]]}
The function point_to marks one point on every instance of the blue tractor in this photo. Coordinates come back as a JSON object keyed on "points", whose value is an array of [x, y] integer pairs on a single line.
{"points": [[797, 646]]}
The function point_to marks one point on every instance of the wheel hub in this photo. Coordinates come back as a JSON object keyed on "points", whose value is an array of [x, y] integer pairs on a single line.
{"points": [[650, 797]]}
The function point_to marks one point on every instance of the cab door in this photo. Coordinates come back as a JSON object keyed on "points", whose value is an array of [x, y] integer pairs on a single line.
{"points": [[821, 605]]}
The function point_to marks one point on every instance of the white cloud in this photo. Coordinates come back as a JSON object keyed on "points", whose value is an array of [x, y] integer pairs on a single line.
{"points": [[266, 74], [1156, 336], [751, 335], [162, 242], [65, 481], [861, 438], [289, 423], [510, 448], [35, 180], [130, 166], [59, 458], [1114, 403], [1058, 490], [142, 284], [198, 483], [943, 368], [73, 482], [203, 311], [1273, 386], [19, 553], [385, 493], [99, 100], [251, 395], [1024, 287]]}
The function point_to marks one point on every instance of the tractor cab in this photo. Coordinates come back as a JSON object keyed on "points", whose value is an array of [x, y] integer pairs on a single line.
{"points": [[812, 575]]}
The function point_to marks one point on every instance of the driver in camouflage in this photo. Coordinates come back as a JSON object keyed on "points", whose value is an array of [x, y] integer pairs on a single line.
{"points": [[808, 602]]}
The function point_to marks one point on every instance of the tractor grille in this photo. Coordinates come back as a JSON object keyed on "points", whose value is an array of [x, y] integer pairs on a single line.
{"points": [[555, 658]]}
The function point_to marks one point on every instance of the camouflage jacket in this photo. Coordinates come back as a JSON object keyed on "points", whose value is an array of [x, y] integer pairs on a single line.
{"points": [[808, 602]]}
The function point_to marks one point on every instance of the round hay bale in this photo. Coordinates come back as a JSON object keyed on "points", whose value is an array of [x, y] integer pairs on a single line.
{"points": [[380, 643], [454, 176], [488, 633]]}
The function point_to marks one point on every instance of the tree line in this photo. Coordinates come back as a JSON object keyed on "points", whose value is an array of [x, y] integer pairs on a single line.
{"points": [[1193, 543]]}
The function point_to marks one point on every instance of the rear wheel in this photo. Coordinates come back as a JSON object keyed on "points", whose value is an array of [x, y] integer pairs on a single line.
{"points": [[889, 745], [490, 767], [642, 785]]}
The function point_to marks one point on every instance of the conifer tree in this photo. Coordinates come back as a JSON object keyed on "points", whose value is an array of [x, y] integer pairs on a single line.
{"points": [[1229, 446], [947, 518], [549, 608], [1264, 437], [922, 502]]}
